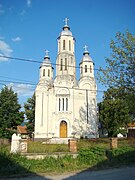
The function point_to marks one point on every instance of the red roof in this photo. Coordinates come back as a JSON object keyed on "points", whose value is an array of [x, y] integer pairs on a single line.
{"points": [[22, 129], [131, 124]]}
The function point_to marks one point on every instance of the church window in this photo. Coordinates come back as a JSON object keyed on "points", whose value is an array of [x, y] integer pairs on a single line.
{"points": [[48, 72], [90, 69], [59, 103], [81, 70], [85, 68], [62, 104], [69, 45], [61, 64], [65, 63], [43, 72], [63, 44], [66, 104]]}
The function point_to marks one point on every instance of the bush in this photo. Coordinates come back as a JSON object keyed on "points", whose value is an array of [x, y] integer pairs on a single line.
{"points": [[91, 155], [122, 155]]}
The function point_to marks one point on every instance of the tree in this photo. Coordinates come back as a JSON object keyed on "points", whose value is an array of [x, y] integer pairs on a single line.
{"points": [[120, 68], [30, 113], [114, 112], [10, 115]]}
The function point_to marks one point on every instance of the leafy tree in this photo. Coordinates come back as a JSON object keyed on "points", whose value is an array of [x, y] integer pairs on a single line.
{"points": [[10, 115], [114, 112], [30, 113], [120, 68]]}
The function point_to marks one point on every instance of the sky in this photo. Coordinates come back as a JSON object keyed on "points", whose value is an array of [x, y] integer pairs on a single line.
{"points": [[29, 27]]}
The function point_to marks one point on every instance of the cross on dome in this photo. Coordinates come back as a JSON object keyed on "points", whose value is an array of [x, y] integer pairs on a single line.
{"points": [[85, 48], [46, 53], [66, 21]]}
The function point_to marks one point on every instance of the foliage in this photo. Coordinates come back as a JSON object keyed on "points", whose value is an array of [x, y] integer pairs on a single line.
{"points": [[91, 155], [114, 112], [10, 115], [30, 113], [120, 68], [122, 155]]}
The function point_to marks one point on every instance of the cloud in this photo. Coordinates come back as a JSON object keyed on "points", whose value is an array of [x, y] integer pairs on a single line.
{"points": [[16, 39], [1, 9], [22, 89], [28, 3], [5, 50], [2, 38]]}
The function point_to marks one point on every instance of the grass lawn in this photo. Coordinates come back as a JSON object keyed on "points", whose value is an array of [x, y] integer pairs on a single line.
{"points": [[92, 154]]}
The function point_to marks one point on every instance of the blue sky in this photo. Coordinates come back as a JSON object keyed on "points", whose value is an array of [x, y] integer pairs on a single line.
{"points": [[28, 27]]}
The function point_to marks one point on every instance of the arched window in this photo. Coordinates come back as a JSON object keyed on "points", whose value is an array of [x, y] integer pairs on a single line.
{"points": [[61, 64], [62, 104], [69, 45], [59, 104], [63, 44], [90, 69], [48, 72], [65, 63], [81, 70], [66, 104], [85, 68], [43, 72]]}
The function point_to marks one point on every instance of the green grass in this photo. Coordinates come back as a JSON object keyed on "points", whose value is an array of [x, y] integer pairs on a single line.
{"points": [[92, 154], [38, 147]]}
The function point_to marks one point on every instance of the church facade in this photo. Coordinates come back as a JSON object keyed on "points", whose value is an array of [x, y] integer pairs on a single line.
{"points": [[66, 107]]}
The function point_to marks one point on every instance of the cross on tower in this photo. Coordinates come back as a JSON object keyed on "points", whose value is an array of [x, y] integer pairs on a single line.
{"points": [[66, 21], [85, 48], [46, 53]]}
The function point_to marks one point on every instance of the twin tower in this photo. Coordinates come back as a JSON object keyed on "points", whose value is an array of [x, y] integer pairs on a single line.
{"points": [[65, 106]]}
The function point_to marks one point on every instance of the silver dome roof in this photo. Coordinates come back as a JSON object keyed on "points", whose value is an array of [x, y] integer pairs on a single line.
{"points": [[86, 56], [46, 58], [66, 33]]}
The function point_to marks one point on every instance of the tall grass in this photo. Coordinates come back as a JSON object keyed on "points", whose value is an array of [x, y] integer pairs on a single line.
{"points": [[38, 147]]}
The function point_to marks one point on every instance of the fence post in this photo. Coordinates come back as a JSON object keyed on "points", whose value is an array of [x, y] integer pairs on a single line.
{"points": [[113, 143], [72, 143]]}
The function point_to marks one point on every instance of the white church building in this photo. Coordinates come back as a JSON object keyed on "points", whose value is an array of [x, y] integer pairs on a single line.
{"points": [[66, 107]]}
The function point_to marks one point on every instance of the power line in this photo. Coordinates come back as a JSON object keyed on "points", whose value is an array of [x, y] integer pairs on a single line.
{"points": [[40, 62]]}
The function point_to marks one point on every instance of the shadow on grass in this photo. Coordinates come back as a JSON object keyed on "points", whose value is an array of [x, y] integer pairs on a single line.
{"points": [[120, 167], [19, 167], [10, 168]]}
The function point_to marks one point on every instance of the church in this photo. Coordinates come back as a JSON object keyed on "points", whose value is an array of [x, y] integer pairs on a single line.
{"points": [[66, 106]]}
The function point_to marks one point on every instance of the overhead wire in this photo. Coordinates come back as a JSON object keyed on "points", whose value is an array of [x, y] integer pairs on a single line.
{"points": [[35, 61]]}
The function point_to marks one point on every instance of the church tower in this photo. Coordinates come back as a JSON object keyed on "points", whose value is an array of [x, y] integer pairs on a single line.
{"points": [[46, 71], [86, 65], [66, 55]]}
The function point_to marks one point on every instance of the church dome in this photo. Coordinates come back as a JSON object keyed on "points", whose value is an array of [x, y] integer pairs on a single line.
{"points": [[86, 56], [46, 59], [66, 29]]}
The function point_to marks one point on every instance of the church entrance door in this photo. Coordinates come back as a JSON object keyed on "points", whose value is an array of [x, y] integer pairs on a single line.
{"points": [[63, 129]]}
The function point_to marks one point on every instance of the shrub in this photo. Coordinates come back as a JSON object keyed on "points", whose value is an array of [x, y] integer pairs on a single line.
{"points": [[122, 155], [91, 155]]}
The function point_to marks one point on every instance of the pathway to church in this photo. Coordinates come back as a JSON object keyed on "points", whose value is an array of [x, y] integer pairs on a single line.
{"points": [[110, 174]]}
